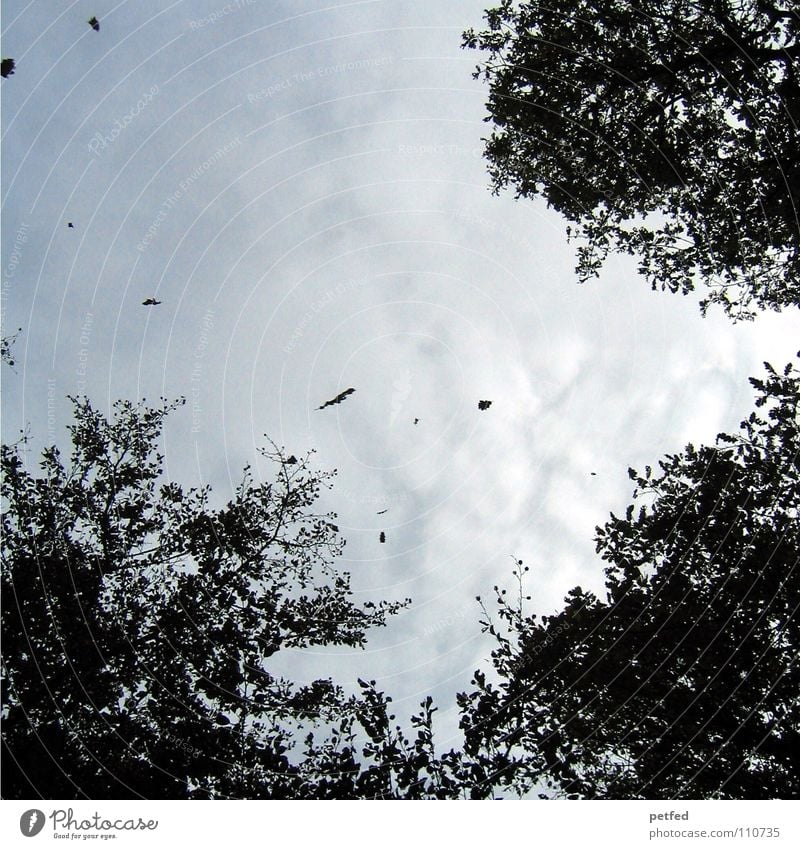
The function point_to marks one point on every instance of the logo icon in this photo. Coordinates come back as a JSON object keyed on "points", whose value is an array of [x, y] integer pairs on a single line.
{"points": [[31, 822]]}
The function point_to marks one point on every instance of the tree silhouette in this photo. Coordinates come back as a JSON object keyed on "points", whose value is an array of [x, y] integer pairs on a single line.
{"points": [[683, 682], [139, 623], [667, 130]]}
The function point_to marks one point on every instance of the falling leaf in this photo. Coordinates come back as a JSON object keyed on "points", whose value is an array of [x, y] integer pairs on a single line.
{"points": [[338, 399]]}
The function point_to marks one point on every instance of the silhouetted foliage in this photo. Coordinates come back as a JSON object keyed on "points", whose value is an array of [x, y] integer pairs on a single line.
{"points": [[139, 623], [484, 405], [6, 345], [139, 626], [7, 67], [683, 682], [666, 129]]}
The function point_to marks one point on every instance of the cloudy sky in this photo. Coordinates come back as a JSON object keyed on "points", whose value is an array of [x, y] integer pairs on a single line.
{"points": [[301, 185]]}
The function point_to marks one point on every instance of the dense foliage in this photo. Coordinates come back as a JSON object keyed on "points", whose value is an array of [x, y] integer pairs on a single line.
{"points": [[683, 682], [139, 626], [139, 623], [667, 129]]}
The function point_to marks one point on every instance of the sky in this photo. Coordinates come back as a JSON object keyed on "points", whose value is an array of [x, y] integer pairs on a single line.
{"points": [[302, 186]]}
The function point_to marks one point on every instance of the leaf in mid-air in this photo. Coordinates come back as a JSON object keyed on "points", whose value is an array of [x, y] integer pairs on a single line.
{"points": [[338, 399]]}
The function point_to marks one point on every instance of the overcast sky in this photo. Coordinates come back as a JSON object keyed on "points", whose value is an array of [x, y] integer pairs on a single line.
{"points": [[301, 185]]}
